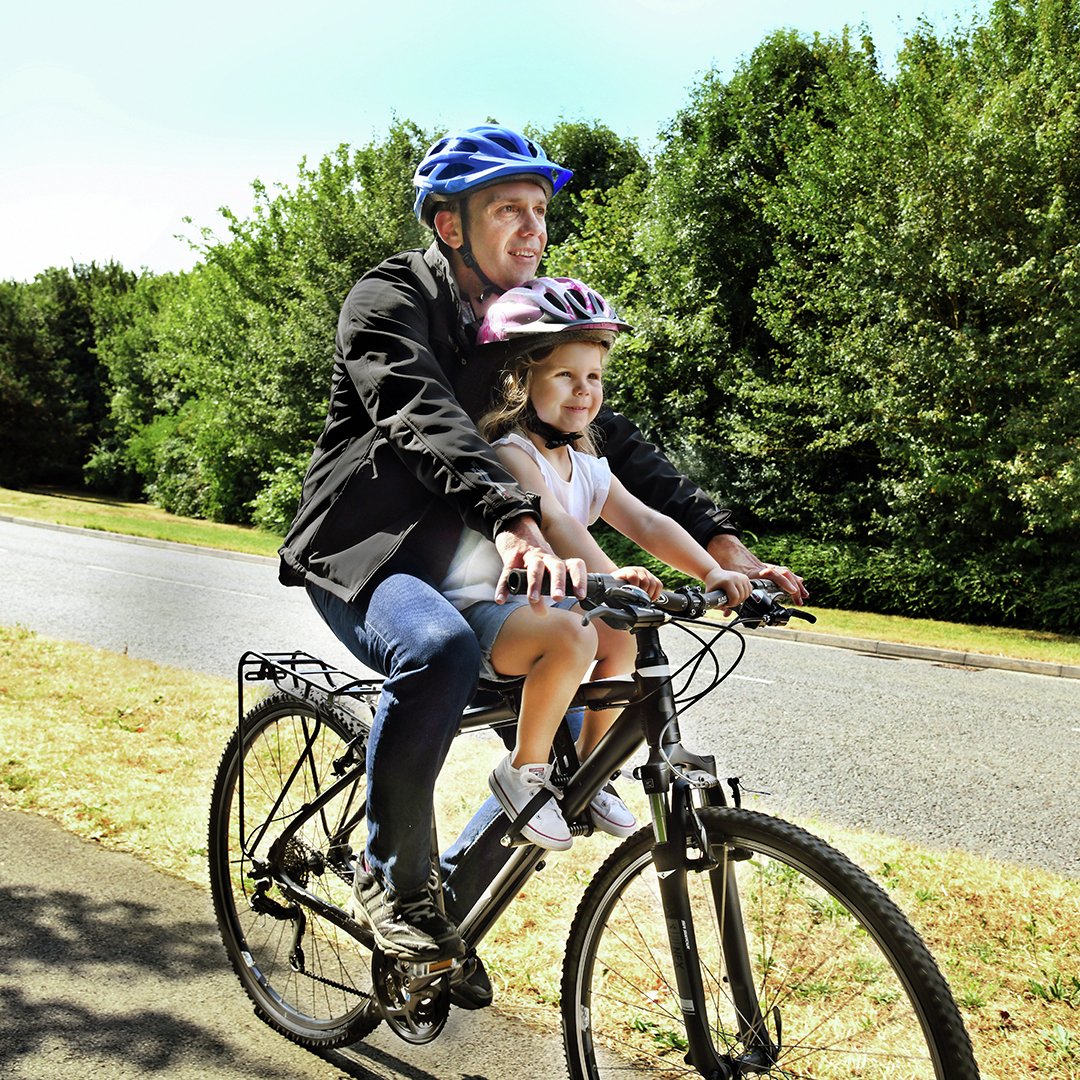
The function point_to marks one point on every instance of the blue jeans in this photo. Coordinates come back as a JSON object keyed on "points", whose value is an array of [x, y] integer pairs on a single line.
{"points": [[417, 639], [407, 630]]}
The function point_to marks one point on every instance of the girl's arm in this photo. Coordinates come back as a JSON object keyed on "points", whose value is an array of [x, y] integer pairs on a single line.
{"points": [[670, 542], [568, 537]]}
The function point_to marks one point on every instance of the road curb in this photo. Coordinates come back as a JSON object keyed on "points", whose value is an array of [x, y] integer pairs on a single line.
{"points": [[145, 541], [866, 645], [924, 652]]}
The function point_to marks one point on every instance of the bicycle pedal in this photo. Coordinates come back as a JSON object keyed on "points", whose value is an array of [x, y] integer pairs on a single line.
{"points": [[424, 970]]}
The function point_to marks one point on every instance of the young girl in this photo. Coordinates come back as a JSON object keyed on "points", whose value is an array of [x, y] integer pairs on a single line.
{"points": [[555, 333]]}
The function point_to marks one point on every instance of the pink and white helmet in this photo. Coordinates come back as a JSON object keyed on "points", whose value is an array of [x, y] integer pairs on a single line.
{"points": [[546, 306]]}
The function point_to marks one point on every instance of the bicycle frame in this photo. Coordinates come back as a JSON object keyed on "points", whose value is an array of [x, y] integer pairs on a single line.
{"points": [[650, 716], [669, 776]]}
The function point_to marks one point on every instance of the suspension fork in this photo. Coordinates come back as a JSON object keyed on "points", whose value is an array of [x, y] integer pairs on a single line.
{"points": [[675, 823], [670, 809], [669, 859], [759, 1047]]}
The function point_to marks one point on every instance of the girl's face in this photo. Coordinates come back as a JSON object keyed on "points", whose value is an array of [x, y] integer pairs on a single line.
{"points": [[566, 390]]}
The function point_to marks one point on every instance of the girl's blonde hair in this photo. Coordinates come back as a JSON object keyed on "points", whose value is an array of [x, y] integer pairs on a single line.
{"points": [[515, 383]]}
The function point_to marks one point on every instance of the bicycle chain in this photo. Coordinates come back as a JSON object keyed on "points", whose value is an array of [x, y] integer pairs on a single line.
{"points": [[336, 985]]}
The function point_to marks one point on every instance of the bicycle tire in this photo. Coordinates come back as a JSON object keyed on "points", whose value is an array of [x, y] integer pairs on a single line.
{"points": [[318, 995], [858, 992]]}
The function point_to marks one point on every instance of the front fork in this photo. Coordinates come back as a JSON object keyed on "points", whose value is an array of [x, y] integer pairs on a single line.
{"points": [[678, 832]]}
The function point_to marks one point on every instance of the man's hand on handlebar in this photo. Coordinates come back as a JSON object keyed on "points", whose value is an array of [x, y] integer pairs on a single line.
{"points": [[729, 550], [522, 546]]}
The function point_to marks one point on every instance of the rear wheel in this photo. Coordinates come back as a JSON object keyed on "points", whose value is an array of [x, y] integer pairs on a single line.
{"points": [[308, 978], [844, 984]]}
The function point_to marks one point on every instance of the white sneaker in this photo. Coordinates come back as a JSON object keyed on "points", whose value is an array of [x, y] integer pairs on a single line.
{"points": [[611, 815], [513, 788]]}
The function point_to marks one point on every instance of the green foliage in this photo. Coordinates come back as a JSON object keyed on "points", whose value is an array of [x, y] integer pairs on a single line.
{"points": [[52, 388], [856, 300], [274, 507], [856, 303], [234, 358], [600, 159], [978, 587]]}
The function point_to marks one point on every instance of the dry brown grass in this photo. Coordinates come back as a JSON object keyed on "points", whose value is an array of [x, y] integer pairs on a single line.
{"points": [[123, 751]]}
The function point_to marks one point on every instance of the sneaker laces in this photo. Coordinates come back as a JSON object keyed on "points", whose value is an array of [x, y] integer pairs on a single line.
{"points": [[416, 904], [534, 778]]}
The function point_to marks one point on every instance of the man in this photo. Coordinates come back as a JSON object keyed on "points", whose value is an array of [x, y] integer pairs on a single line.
{"points": [[400, 469]]}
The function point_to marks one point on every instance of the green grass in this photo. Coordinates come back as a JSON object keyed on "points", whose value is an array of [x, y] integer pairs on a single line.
{"points": [[139, 519], [107, 514], [961, 637]]}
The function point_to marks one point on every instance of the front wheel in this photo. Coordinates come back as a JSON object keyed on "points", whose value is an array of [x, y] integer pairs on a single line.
{"points": [[844, 985], [307, 977]]}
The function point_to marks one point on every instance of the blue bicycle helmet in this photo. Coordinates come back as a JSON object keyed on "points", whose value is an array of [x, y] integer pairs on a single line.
{"points": [[476, 157]]}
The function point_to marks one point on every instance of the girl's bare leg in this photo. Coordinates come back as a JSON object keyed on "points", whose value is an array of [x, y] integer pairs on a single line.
{"points": [[553, 651], [615, 655]]}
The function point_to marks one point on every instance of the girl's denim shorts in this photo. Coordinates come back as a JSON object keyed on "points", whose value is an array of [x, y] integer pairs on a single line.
{"points": [[486, 619]]}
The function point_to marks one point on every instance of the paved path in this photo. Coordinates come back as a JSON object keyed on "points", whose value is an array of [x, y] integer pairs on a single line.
{"points": [[112, 970]]}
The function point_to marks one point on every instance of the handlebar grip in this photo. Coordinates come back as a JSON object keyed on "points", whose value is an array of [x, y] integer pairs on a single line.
{"points": [[675, 602], [517, 582], [598, 585]]}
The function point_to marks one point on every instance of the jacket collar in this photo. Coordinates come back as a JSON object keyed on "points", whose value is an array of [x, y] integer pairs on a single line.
{"points": [[440, 268]]}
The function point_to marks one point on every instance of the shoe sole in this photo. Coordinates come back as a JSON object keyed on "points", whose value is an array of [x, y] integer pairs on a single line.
{"points": [[620, 832], [610, 827]]}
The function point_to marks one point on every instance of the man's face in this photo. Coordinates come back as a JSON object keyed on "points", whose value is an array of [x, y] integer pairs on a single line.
{"points": [[506, 228]]}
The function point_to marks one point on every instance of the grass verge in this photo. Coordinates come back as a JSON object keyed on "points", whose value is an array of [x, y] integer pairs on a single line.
{"points": [[123, 751], [106, 514], [139, 519]]}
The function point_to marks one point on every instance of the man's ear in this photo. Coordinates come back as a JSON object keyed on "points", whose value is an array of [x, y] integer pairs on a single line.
{"points": [[448, 226]]}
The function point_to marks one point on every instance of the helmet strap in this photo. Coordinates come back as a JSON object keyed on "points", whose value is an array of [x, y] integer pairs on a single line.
{"points": [[553, 436], [467, 257]]}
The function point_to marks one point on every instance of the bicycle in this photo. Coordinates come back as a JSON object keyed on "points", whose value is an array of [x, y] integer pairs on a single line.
{"points": [[716, 941]]}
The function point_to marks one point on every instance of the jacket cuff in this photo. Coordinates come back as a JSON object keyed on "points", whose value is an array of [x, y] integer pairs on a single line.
{"points": [[721, 522], [530, 509]]}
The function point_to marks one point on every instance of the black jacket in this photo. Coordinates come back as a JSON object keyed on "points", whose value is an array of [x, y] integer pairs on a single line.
{"points": [[400, 465]]}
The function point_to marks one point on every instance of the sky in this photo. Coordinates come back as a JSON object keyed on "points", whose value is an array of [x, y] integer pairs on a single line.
{"points": [[120, 119]]}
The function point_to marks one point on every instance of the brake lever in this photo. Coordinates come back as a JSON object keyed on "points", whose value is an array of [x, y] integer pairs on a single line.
{"points": [[761, 609], [620, 618]]}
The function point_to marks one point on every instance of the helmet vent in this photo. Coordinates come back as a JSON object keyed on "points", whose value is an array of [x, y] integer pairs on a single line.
{"points": [[455, 169], [478, 156]]}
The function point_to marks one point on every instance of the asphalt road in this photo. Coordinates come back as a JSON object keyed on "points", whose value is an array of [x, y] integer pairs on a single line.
{"points": [[979, 759]]}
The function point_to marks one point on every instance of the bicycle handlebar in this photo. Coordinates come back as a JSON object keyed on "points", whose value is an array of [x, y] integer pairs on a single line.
{"points": [[605, 591]]}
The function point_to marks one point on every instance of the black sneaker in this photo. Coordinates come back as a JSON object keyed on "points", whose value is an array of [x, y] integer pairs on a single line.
{"points": [[408, 927], [470, 987]]}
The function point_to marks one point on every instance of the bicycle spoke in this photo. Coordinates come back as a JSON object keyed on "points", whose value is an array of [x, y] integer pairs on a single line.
{"points": [[826, 950], [307, 977]]}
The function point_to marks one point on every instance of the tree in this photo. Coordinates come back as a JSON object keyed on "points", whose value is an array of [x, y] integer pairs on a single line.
{"points": [[52, 385], [242, 346], [600, 159]]}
